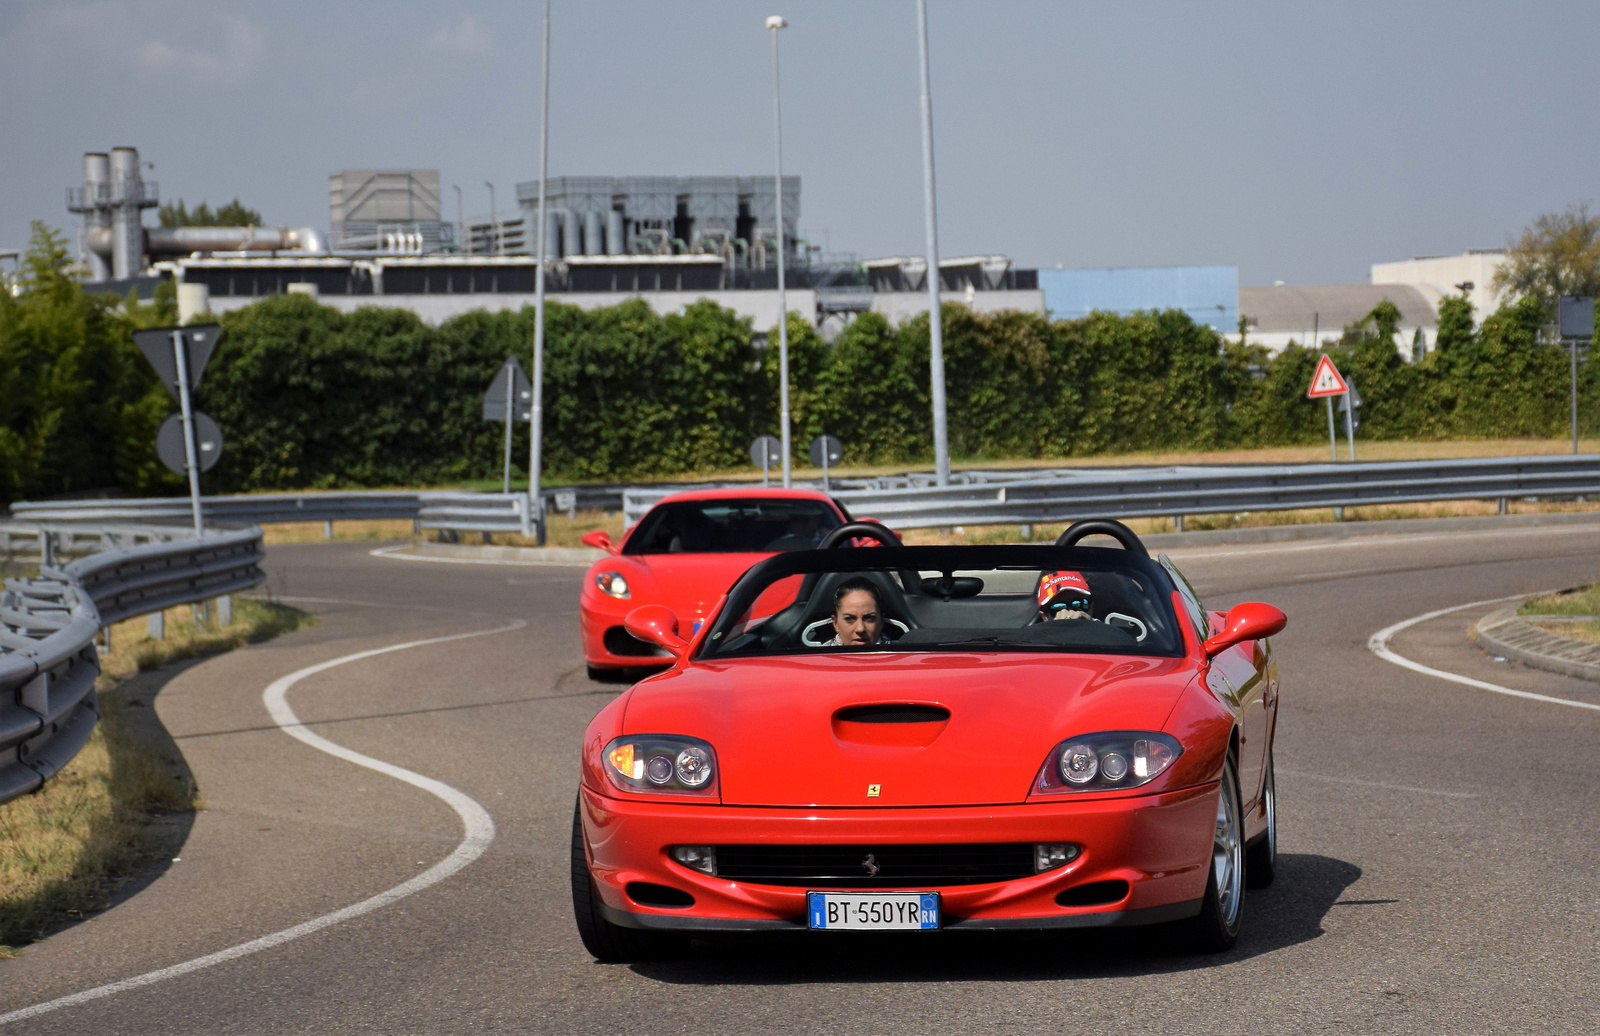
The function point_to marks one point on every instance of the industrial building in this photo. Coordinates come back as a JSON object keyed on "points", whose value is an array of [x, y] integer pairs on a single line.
{"points": [[1436, 276], [1311, 316], [1209, 294], [387, 210]]}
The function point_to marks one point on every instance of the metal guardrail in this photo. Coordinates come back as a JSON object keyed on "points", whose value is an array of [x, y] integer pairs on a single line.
{"points": [[912, 501], [48, 625], [1071, 494], [476, 512]]}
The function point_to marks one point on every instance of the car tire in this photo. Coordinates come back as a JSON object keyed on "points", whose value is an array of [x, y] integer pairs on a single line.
{"points": [[606, 942], [1261, 858], [1216, 927]]}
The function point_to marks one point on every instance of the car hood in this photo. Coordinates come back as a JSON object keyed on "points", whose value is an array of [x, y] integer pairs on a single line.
{"points": [[781, 739], [689, 584]]}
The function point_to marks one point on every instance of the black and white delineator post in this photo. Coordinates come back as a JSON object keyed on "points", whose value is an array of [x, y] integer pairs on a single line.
{"points": [[179, 355]]}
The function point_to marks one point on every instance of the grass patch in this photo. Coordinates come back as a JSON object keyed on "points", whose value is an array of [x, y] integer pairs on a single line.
{"points": [[108, 814], [1582, 601]]}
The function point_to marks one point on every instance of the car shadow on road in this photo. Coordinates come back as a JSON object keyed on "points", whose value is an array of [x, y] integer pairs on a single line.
{"points": [[1285, 914]]}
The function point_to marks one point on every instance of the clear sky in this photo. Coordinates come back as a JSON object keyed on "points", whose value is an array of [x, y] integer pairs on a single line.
{"points": [[1300, 142]]}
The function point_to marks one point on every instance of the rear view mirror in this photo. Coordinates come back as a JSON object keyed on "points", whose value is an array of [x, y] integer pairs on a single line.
{"points": [[1248, 621], [600, 540], [656, 624]]}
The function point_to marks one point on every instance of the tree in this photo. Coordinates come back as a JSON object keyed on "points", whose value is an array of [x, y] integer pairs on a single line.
{"points": [[1559, 254], [233, 214]]}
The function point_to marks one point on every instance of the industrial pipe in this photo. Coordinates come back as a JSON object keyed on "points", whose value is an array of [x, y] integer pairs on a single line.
{"points": [[184, 240]]}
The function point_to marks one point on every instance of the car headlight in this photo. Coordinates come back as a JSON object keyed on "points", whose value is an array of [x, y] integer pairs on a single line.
{"points": [[612, 584], [1107, 761], [662, 763]]}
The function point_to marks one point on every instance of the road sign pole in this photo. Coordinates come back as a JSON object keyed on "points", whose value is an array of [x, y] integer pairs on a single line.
{"points": [[825, 487], [190, 455], [536, 411], [1333, 442], [765, 467], [1574, 343], [1350, 426], [506, 481]]}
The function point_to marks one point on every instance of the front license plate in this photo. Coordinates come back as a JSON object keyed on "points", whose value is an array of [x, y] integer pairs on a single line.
{"points": [[872, 911]]}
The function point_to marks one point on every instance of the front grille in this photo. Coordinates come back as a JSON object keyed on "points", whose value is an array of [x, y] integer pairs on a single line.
{"points": [[619, 641], [899, 866]]}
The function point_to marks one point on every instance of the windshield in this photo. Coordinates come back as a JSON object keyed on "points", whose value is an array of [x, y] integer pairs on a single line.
{"points": [[923, 599], [732, 526]]}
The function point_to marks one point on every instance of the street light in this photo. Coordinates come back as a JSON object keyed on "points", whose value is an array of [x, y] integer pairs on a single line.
{"points": [[774, 23], [461, 224], [494, 220], [536, 412], [941, 438]]}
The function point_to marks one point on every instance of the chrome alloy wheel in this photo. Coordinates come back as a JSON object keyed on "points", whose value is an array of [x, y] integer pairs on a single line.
{"points": [[1227, 852]]}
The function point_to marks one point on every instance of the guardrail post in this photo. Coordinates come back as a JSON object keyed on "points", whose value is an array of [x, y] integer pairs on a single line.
{"points": [[47, 547], [1177, 523], [225, 610], [1026, 531], [155, 624], [327, 529], [1338, 514], [1502, 505]]}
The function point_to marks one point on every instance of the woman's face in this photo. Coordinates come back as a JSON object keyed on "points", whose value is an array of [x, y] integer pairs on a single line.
{"points": [[856, 620]]}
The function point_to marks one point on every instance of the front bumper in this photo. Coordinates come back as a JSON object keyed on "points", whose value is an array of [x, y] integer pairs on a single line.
{"points": [[1159, 844]]}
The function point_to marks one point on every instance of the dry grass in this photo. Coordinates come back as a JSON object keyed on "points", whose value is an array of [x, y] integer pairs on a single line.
{"points": [[64, 850], [282, 533]]}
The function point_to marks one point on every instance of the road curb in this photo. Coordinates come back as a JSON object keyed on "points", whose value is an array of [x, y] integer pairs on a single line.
{"points": [[1502, 633], [523, 555]]}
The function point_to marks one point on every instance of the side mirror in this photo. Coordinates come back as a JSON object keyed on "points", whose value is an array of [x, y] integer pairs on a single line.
{"points": [[1248, 621], [656, 624], [600, 540]]}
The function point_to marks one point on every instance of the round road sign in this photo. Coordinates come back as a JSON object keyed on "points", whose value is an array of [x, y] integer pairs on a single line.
{"points": [[833, 446], [207, 442], [766, 451]]}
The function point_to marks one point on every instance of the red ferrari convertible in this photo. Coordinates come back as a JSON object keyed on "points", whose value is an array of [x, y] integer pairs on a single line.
{"points": [[927, 738], [685, 553]]}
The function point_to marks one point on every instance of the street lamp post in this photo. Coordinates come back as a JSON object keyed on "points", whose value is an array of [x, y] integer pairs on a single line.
{"points": [[536, 411], [461, 224], [494, 218], [775, 23], [941, 439]]}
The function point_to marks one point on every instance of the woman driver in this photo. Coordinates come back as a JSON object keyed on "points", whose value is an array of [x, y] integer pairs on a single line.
{"points": [[857, 615]]}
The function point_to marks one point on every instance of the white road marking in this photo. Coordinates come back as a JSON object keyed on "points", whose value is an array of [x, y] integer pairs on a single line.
{"points": [[1379, 784], [1378, 644], [477, 828], [392, 554]]}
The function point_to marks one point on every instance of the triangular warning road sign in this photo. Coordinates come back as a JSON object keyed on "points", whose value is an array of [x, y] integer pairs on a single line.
{"points": [[1327, 380]]}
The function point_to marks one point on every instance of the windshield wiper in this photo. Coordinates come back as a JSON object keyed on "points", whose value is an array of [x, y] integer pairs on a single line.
{"points": [[973, 640]]}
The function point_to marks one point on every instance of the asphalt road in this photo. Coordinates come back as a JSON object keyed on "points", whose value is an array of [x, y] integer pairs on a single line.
{"points": [[1439, 869]]}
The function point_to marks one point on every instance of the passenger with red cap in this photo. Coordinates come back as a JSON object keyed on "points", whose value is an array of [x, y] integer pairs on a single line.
{"points": [[1064, 595]]}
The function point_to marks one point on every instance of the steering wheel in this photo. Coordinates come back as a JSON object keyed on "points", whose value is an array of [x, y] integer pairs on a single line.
{"points": [[851, 530], [1101, 527]]}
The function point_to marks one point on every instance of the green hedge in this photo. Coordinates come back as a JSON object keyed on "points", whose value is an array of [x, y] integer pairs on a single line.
{"points": [[308, 396]]}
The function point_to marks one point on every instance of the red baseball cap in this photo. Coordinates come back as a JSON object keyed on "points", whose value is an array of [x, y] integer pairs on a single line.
{"points": [[1054, 584]]}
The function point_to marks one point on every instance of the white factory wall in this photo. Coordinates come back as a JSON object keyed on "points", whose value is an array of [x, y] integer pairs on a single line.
{"points": [[899, 306], [760, 306], [1438, 276]]}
